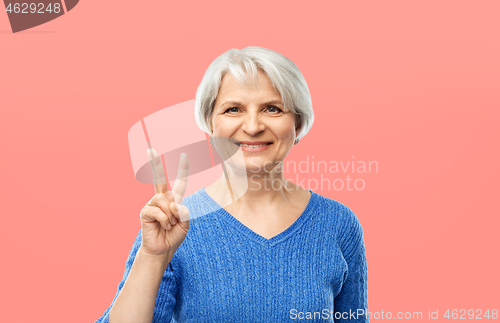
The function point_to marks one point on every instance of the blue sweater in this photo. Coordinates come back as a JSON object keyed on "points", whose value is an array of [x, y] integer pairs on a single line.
{"points": [[314, 271]]}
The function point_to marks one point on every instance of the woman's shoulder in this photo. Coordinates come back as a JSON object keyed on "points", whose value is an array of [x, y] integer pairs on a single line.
{"points": [[200, 204], [344, 218], [347, 227], [330, 205]]}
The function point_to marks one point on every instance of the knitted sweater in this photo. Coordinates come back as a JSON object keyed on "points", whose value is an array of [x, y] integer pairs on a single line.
{"points": [[314, 271]]}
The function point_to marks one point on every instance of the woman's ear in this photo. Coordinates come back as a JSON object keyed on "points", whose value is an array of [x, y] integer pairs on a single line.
{"points": [[211, 127], [298, 124], [208, 120], [211, 120]]}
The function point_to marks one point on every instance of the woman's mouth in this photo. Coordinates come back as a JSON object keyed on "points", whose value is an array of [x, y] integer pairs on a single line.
{"points": [[253, 146]]}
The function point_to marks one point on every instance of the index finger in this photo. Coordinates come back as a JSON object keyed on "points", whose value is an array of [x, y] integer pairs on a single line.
{"points": [[159, 179]]}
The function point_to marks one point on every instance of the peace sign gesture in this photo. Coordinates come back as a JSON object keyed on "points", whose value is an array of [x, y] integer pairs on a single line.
{"points": [[164, 220]]}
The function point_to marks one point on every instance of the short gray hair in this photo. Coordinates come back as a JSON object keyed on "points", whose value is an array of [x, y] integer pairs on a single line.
{"points": [[285, 76]]}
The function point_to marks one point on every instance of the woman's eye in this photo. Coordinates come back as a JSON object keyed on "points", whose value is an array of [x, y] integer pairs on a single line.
{"points": [[233, 109], [272, 108]]}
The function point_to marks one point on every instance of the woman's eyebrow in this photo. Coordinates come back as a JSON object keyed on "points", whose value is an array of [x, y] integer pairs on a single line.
{"points": [[239, 103], [273, 102], [230, 103]]}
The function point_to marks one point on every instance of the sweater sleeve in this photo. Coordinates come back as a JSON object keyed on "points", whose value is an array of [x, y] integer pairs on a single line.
{"points": [[165, 299], [351, 304]]}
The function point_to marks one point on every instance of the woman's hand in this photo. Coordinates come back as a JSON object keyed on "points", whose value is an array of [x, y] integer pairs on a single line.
{"points": [[164, 220]]}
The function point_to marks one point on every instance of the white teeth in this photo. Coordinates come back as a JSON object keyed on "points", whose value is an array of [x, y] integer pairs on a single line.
{"points": [[252, 146]]}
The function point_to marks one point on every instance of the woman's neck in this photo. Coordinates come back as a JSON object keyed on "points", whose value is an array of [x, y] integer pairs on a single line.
{"points": [[239, 188]]}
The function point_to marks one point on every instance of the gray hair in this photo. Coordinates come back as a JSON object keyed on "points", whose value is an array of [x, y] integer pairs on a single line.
{"points": [[285, 76]]}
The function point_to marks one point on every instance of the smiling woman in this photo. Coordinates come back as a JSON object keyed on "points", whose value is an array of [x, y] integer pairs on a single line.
{"points": [[229, 254]]}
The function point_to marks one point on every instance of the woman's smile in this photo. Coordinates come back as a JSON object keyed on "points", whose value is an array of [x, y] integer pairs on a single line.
{"points": [[253, 146]]}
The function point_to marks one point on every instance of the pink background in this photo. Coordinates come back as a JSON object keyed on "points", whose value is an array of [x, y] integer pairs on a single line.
{"points": [[411, 85]]}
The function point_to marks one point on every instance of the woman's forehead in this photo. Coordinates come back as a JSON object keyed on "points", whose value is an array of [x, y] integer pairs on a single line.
{"points": [[233, 92]]}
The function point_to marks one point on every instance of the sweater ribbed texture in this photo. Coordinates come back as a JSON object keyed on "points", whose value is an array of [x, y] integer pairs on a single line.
{"points": [[225, 272]]}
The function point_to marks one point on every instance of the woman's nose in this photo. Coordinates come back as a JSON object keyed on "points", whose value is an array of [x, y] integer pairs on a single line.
{"points": [[253, 125]]}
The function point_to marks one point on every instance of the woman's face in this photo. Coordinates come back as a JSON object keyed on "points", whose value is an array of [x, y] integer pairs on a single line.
{"points": [[254, 119]]}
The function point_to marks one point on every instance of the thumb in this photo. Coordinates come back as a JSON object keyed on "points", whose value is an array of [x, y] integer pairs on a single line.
{"points": [[181, 212]]}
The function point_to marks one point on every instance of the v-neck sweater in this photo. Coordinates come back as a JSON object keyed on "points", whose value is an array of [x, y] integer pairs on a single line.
{"points": [[315, 270]]}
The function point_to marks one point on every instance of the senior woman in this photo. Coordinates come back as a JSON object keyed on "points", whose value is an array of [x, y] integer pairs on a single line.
{"points": [[252, 246]]}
